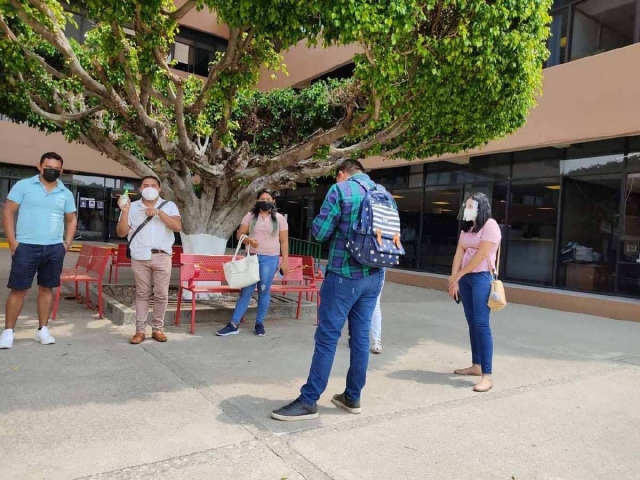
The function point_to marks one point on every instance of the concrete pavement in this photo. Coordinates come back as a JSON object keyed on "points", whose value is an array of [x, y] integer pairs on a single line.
{"points": [[197, 407]]}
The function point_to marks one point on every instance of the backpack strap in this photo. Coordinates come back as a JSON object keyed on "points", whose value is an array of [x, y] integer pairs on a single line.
{"points": [[364, 185]]}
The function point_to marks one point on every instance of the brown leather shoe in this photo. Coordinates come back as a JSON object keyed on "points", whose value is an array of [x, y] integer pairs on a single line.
{"points": [[137, 338], [159, 336]]}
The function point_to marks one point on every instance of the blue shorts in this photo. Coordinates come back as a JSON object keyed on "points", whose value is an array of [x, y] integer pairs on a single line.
{"points": [[46, 260]]}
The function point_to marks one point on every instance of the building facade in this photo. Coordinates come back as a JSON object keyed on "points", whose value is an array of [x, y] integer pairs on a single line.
{"points": [[565, 188]]}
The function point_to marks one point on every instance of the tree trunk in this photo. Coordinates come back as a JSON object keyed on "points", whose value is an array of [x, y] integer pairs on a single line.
{"points": [[207, 228]]}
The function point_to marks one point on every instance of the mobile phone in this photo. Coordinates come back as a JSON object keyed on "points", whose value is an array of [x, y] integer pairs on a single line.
{"points": [[459, 299], [281, 273]]}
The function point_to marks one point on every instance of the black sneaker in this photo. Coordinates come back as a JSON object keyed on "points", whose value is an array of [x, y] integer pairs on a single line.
{"points": [[228, 330], [295, 411], [343, 402], [259, 329]]}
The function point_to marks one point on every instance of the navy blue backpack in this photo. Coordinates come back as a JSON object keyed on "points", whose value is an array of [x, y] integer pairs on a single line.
{"points": [[374, 239]]}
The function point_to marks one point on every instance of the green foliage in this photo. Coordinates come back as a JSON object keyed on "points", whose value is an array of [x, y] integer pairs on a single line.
{"points": [[456, 73]]}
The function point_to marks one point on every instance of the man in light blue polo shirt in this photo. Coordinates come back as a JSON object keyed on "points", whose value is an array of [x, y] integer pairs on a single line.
{"points": [[43, 206]]}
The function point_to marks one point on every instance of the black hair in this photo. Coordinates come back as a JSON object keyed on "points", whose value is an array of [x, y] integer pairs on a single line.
{"points": [[256, 211], [51, 156], [484, 212], [147, 177], [350, 166]]}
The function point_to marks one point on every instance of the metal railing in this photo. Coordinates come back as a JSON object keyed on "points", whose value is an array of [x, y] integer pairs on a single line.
{"points": [[306, 248]]}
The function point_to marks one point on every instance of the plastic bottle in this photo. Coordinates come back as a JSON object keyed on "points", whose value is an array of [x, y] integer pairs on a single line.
{"points": [[124, 198]]}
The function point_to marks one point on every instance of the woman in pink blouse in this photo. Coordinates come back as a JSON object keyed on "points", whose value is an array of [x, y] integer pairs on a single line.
{"points": [[470, 282], [268, 234]]}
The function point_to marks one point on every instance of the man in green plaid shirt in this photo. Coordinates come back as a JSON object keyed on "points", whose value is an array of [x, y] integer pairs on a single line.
{"points": [[349, 292]]}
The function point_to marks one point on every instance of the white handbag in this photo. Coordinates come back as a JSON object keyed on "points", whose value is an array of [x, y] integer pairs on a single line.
{"points": [[242, 272]]}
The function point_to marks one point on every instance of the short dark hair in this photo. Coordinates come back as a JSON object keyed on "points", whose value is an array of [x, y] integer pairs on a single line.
{"points": [[350, 166], [51, 156], [146, 177]]}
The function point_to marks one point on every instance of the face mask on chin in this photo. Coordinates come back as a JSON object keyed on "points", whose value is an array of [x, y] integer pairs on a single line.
{"points": [[150, 194], [50, 174]]}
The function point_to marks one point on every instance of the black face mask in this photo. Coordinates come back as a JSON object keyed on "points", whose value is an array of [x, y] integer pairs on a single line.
{"points": [[50, 174], [265, 206]]}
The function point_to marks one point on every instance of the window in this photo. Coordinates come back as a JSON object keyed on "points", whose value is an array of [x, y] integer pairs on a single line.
{"points": [[343, 72], [194, 51], [78, 32], [590, 237], [532, 231], [540, 163], [594, 157], [629, 269], [409, 205], [633, 157], [440, 229], [557, 43], [602, 25]]}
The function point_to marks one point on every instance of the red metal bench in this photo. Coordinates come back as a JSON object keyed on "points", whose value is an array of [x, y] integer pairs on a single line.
{"points": [[208, 268], [120, 259], [95, 271], [82, 264]]}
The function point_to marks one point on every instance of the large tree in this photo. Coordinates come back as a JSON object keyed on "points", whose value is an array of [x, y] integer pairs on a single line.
{"points": [[436, 76]]}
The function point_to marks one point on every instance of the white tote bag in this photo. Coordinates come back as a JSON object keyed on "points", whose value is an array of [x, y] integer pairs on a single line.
{"points": [[242, 272]]}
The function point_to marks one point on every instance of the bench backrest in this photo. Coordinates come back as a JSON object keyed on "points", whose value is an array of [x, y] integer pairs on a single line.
{"points": [[310, 271], [99, 258], [120, 255], [85, 257], [296, 271], [176, 251], [207, 268]]}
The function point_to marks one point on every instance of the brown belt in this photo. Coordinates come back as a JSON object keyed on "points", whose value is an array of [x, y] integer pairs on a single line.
{"points": [[155, 250]]}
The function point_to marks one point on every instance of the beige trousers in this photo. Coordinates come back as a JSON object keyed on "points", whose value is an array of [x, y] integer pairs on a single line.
{"points": [[156, 272]]}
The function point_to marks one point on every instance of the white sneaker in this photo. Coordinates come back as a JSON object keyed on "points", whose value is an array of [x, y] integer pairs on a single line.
{"points": [[377, 347], [6, 340], [44, 337]]}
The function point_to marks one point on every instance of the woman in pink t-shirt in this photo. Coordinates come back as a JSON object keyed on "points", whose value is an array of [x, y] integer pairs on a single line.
{"points": [[268, 235], [470, 282]]}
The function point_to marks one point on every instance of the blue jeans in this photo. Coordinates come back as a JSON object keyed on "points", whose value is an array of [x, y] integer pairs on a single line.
{"points": [[268, 267], [475, 289], [342, 299]]}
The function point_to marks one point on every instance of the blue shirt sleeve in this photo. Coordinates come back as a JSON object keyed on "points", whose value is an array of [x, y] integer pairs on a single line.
{"points": [[327, 220], [69, 202], [16, 194]]}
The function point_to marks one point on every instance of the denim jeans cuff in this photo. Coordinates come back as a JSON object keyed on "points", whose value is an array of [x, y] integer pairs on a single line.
{"points": [[306, 403]]}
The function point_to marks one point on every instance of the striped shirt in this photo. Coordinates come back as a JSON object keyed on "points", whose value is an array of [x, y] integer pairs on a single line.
{"points": [[340, 210]]}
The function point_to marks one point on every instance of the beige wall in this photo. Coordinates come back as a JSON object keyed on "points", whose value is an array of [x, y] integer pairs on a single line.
{"points": [[304, 64], [590, 99], [22, 145], [204, 20]]}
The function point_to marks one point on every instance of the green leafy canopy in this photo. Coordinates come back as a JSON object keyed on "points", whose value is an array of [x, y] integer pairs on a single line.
{"points": [[435, 76]]}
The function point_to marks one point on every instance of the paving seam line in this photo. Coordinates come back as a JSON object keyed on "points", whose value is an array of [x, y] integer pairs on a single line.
{"points": [[258, 431]]}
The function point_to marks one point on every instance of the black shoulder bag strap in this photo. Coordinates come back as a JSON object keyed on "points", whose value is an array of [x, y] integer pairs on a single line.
{"points": [[140, 227]]}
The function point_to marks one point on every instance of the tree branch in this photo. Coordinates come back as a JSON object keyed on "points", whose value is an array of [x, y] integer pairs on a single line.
{"points": [[397, 128], [58, 40], [182, 11], [48, 68], [227, 61], [303, 151], [183, 137], [61, 118]]}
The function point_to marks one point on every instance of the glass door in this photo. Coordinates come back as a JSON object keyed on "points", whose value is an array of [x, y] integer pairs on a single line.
{"points": [[440, 228], [590, 233], [629, 266]]}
